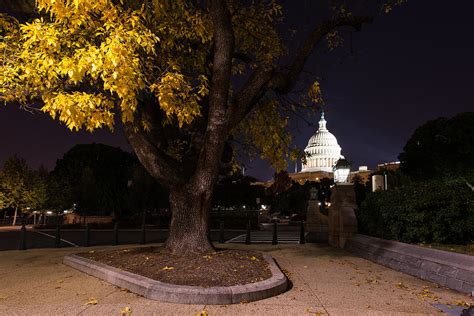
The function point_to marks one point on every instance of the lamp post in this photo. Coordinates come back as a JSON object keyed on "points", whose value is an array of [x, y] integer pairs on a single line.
{"points": [[341, 171]]}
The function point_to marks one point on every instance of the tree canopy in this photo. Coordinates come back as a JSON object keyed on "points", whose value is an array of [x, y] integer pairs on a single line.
{"points": [[87, 61], [94, 177], [20, 187], [441, 148]]}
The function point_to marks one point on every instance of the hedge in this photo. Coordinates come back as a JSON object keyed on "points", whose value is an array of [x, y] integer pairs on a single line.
{"points": [[436, 211]]}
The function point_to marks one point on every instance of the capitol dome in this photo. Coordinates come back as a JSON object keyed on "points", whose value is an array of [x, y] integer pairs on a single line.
{"points": [[322, 151]]}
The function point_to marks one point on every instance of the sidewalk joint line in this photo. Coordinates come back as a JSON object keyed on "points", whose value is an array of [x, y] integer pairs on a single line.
{"points": [[63, 240]]}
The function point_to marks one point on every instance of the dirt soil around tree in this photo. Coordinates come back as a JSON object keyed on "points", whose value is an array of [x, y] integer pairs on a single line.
{"points": [[220, 268]]}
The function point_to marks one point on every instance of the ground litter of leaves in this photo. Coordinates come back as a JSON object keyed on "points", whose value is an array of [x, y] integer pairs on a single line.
{"points": [[218, 268]]}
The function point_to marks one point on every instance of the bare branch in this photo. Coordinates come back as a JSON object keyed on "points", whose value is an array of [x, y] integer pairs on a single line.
{"points": [[282, 82]]}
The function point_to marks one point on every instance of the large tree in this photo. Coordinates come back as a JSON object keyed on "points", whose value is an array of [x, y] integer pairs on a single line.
{"points": [[94, 177], [184, 76], [443, 147], [16, 186]]}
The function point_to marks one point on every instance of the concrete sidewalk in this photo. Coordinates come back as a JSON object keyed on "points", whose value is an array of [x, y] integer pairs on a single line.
{"points": [[325, 281]]}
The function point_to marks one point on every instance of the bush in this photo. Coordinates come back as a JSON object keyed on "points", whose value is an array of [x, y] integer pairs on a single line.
{"points": [[435, 211]]}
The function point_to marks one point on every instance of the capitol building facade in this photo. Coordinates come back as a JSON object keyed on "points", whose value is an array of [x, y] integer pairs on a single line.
{"points": [[323, 151], [322, 154]]}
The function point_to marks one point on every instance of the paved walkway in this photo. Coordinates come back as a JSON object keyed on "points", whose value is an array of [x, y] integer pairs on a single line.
{"points": [[325, 281]]}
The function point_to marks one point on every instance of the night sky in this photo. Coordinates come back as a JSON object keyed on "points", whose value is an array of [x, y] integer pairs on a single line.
{"points": [[413, 65]]}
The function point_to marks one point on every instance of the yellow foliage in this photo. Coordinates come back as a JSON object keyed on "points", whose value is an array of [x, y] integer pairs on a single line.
{"points": [[81, 62], [88, 60], [177, 98], [315, 93], [266, 129]]}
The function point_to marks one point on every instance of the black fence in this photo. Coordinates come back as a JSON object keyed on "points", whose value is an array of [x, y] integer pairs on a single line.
{"points": [[87, 237]]}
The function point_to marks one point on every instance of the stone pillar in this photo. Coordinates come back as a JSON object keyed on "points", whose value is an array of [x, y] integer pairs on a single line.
{"points": [[342, 218], [316, 222], [377, 183]]}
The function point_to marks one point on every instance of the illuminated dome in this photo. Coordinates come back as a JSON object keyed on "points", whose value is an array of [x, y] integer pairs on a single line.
{"points": [[322, 151]]}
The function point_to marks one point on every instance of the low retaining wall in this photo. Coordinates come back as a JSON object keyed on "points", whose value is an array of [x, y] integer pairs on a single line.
{"points": [[165, 292], [452, 270]]}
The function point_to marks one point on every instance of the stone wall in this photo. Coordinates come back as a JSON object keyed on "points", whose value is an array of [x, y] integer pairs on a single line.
{"points": [[452, 270]]}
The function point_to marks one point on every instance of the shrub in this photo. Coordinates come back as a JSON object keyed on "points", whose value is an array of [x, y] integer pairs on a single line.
{"points": [[435, 211]]}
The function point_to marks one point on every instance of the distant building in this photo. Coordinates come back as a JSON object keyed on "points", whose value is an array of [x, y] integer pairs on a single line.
{"points": [[388, 166], [363, 174], [323, 152]]}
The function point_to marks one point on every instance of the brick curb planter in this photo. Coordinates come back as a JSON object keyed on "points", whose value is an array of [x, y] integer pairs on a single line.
{"points": [[183, 294], [449, 269]]}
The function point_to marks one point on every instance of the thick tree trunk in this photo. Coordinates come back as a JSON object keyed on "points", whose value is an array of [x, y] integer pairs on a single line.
{"points": [[189, 229], [14, 216]]}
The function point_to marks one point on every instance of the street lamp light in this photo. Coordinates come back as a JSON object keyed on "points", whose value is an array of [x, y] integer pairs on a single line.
{"points": [[341, 170]]}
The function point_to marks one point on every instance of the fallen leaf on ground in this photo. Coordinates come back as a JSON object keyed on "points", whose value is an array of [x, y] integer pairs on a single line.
{"points": [[126, 311], [2, 297], [201, 313], [92, 301], [207, 257], [253, 258], [461, 303], [369, 280], [167, 268], [309, 311], [427, 294], [92, 251], [400, 285]]}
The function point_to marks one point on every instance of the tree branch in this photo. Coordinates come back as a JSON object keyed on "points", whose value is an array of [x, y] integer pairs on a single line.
{"points": [[282, 82], [158, 164], [213, 145]]}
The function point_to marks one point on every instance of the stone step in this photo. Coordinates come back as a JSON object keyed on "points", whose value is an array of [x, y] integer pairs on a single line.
{"points": [[267, 237]]}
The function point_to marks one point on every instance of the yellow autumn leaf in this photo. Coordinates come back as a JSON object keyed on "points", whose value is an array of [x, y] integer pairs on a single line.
{"points": [[92, 301], [167, 268], [201, 313], [126, 311], [461, 303]]}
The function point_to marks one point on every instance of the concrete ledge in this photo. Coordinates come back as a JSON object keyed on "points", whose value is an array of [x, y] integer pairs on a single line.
{"points": [[171, 293], [449, 269]]}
